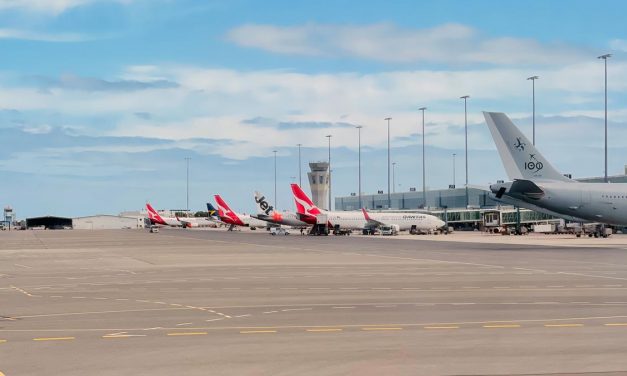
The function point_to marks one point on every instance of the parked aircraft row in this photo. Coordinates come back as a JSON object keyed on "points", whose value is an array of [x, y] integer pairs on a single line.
{"points": [[535, 185], [307, 215]]}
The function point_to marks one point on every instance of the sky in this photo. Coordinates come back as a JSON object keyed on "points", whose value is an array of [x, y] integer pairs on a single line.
{"points": [[101, 101]]}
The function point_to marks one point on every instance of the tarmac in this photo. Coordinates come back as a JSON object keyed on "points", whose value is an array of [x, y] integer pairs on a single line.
{"points": [[211, 302]]}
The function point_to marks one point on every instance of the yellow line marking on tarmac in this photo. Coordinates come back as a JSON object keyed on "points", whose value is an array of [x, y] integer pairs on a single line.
{"points": [[2, 341], [54, 339], [442, 327], [502, 326], [616, 324], [395, 328], [256, 331], [1, 374], [450, 325], [324, 330], [187, 334], [562, 325]]}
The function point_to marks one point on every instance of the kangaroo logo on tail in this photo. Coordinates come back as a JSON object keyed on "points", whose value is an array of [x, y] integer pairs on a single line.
{"points": [[153, 215], [303, 204]]}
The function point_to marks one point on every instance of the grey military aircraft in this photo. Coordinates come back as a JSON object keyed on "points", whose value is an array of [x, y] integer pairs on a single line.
{"points": [[538, 186]]}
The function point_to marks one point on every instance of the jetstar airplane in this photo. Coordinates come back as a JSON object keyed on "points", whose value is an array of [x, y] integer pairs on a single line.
{"points": [[538, 186], [307, 211], [405, 221], [266, 212], [234, 219], [155, 218]]}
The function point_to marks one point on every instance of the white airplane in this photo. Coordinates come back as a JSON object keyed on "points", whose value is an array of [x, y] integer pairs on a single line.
{"points": [[155, 218], [189, 222], [404, 221], [538, 186], [266, 212], [307, 211], [355, 220], [235, 219]]}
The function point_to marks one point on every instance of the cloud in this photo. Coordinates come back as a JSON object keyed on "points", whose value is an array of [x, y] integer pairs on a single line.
{"points": [[264, 110], [50, 6], [619, 44], [37, 36], [313, 125], [72, 82], [143, 115], [448, 43]]}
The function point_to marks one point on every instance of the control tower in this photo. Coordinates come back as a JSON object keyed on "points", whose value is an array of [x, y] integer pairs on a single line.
{"points": [[319, 182], [9, 216]]}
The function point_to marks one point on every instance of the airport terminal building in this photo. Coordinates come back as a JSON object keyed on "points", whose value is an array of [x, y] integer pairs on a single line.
{"points": [[441, 198], [450, 205]]}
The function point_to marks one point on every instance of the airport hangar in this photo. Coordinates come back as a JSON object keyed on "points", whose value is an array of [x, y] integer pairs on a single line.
{"points": [[93, 222]]}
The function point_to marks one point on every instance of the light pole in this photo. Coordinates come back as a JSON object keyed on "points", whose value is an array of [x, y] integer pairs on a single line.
{"points": [[187, 159], [389, 196], [329, 137], [454, 170], [300, 179], [275, 203], [465, 98], [359, 163], [605, 57], [533, 96], [424, 184], [393, 177]]}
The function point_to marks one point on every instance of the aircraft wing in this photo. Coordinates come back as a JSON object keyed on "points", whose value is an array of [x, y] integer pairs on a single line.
{"points": [[524, 204], [521, 187], [261, 217]]}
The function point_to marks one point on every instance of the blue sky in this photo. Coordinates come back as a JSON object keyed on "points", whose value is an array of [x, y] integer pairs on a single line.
{"points": [[101, 100]]}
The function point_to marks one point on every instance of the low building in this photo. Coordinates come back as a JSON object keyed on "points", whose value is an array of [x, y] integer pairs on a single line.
{"points": [[451, 198], [450, 206], [107, 222], [49, 222]]}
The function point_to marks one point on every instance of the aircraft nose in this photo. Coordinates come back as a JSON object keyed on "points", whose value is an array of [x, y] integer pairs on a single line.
{"points": [[440, 223]]}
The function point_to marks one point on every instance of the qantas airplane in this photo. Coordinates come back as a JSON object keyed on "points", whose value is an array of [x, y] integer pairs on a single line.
{"points": [[538, 186], [405, 221], [155, 218], [355, 220], [234, 219], [266, 212], [307, 211]]}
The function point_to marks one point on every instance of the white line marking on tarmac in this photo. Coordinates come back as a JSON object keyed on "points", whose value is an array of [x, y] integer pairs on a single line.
{"points": [[296, 309], [95, 312]]}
